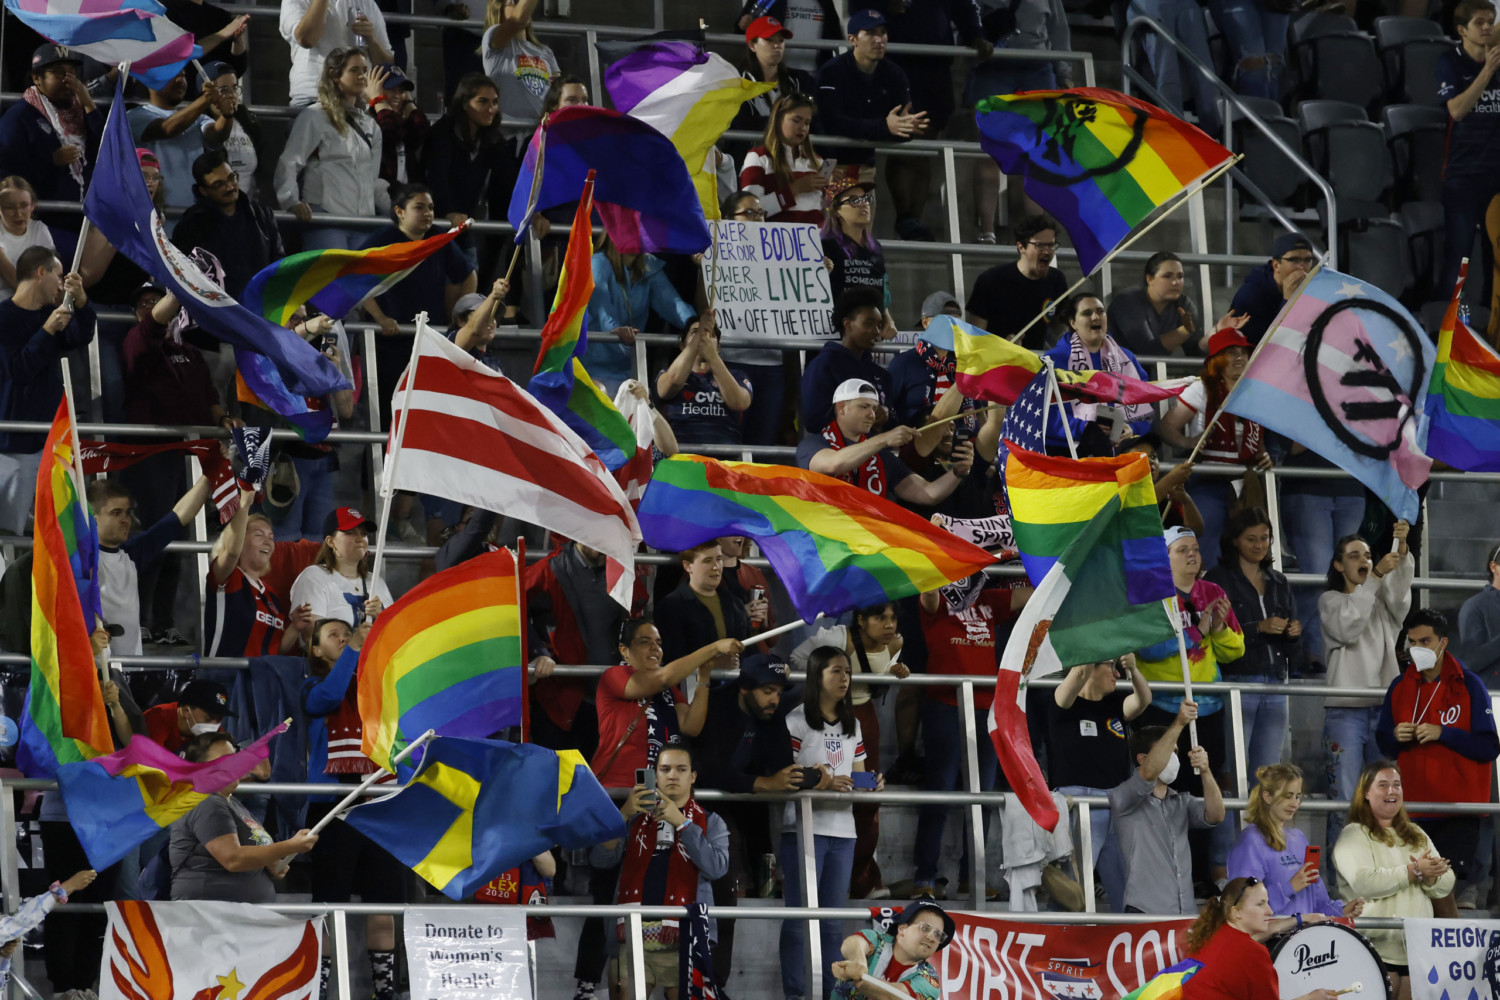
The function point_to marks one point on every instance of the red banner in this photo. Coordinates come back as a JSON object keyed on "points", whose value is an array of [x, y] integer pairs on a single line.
{"points": [[99, 457], [991, 958]]}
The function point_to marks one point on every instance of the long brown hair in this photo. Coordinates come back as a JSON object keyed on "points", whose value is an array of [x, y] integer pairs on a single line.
{"points": [[1272, 780], [783, 156], [1402, 830], [1216, 913], [330, 97], [617, 264]]}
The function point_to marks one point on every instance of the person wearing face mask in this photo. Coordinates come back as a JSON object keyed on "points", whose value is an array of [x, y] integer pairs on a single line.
{"points": [[1152, 818], [1436, 722], [201, 707]]}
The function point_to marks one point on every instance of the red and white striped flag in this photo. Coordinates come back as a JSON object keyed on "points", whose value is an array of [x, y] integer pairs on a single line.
{"points": [[474, 436]]}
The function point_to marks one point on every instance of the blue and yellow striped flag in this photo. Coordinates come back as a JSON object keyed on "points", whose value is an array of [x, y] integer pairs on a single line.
{"points": [[476, 808]]}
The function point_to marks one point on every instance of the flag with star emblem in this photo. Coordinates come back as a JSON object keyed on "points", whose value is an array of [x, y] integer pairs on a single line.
{"points": [[476, 808], [1344, 371], [208, 950]]}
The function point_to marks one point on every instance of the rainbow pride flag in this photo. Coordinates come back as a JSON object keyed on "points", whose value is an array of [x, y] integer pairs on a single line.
{"points": [[1166, 984], [992, 368], [119, 801], [256, 383], [1097, 160], [447, 656], [1463, 396], [835, 546], [64, 720], [560, 382]]}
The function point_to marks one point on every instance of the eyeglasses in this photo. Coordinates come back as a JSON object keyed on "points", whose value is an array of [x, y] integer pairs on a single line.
{"points": [[936, 932], [750, 213], [859, 200], [1042, 246], [1250, 880], [1299, 261], [230, 181]]}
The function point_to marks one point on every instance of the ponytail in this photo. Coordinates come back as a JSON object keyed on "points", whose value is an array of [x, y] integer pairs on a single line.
{"points": [[1216, 913]]}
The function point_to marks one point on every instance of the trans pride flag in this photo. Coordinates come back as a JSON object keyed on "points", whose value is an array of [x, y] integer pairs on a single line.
{"points": [[1100, 162], [1344, 372], [114, 31]]}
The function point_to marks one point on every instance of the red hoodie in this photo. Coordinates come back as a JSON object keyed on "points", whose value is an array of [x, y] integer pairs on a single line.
{"points": [[1457, 767]]}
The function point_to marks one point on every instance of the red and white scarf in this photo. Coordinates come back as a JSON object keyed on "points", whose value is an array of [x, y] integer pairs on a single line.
{"points": [[869, 476], [678, 888]]}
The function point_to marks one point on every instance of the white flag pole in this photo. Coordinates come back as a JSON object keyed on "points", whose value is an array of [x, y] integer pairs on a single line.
{"points": [[398, 433], [1170, 603], [348, 800], [1054, 389]]}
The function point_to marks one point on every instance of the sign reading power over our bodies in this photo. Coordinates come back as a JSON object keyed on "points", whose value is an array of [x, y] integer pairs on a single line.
{"points": [[769, 280]]}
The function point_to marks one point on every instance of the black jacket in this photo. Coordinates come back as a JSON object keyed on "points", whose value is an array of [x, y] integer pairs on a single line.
{"points": [[833, 28], [1265, 655], [855, 105], [203, 225], [686, 625], [734, 749], [462, 176], [927, 22]]}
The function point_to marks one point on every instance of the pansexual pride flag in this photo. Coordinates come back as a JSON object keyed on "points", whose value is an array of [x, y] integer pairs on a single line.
{"points": [[643, 193], [835, 546], [560, 382], [1344, 372], [114, 31], [447, 656], [1463, 398], [1100, 162], [688, 95], [64, 720]]}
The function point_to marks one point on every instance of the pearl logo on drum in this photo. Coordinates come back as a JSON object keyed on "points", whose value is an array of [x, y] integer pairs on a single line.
{"points": [[1307, 959]]}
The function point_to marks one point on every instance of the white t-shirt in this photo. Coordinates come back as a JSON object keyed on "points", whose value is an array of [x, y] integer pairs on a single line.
{"points": [[333, 595], [120, 600], [176, 152], [522, 71], [36, 235], [1195, 398], [307, 64], [804, 19], [240, 153], [829, 745]]}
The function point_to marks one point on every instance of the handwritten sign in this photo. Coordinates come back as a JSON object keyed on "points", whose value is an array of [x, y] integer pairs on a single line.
{"points": [[769, 281], [468, 953]]}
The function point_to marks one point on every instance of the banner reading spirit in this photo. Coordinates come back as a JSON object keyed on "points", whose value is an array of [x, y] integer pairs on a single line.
{"points": [[771, 281], [996, 959]]}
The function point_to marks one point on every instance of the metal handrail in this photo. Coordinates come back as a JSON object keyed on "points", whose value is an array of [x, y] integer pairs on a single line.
{"points": [[1131, 75]]}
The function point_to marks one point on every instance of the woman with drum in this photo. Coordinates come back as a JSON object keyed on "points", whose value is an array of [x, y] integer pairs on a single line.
{"points": [[1386, 858], [1274, 851], [1227, 938]]}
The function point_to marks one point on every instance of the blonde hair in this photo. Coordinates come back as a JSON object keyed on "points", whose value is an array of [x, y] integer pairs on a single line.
{"points": [[1272, 780], [330, 96], [15, 182], [257, 516], [494, 13], [783, 156]]}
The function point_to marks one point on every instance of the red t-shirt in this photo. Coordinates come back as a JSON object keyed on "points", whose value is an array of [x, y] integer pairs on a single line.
{"points": [[964, 643], [616, 714], [1235, 967], [161, 726], [894, 970]]}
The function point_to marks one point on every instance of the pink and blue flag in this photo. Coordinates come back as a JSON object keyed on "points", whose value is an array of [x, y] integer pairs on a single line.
{"points": [[642, 192], [1344, 372], [114, 31]]}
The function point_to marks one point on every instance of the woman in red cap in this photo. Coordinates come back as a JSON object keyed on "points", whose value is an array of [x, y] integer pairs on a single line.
{"points": [[1231, 440]]}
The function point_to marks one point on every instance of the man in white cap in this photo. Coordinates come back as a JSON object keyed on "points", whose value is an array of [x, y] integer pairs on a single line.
{"points": [[845, 450]]}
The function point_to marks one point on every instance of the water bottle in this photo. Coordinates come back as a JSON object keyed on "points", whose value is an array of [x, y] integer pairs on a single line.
{"points": [[759, 8], [1463, 312]]}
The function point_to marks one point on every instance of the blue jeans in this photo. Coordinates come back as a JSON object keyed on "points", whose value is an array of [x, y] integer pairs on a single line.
{"points": [[333, 238], [1109, 862], [314, 499], [1313, 524], [1251, 30], [1183, 19], [1213, 496], [767, 393], [835, 860], [1348, 746], [943, 739], [991, 78], [1265, 718]]}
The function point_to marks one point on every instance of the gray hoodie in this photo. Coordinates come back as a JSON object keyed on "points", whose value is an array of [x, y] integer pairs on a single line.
{"points": [[1360, 631]]}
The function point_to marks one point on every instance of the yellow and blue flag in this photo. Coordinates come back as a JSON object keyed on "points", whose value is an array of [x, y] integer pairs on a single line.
{"points": [[476, 808]]}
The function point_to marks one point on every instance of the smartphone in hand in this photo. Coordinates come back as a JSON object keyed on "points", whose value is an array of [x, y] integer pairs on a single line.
{"points": [[865, 780], [1314, 857]]}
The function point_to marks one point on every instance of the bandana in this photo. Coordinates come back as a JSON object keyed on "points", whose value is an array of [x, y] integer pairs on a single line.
{"points": [[67, 123]]}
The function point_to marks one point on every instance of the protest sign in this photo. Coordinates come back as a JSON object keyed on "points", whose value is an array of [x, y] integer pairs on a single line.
{"points": [[468, 953], [769, 280]]}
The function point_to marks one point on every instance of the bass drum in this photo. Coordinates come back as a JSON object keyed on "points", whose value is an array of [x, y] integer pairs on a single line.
{"points": [[1328, 957]]}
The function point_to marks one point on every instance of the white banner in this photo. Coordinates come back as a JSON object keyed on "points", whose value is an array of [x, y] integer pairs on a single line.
{"points": [[1453, 959], [468, 953], [228, 951], [771, 281]]}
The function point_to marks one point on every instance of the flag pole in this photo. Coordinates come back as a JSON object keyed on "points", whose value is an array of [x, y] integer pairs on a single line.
{"points": [[779, 630], [536, 189], [1062, 410], [387, 494], [1255, 353], [75, 472], [960, 416], [520, 558], [1182, 199], [348, 800], [1170, 603]]}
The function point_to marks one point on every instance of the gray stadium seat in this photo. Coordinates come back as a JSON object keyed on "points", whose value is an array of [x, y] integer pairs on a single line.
{"points": [[1266, 166], [1417, 133], [1418, 61], [1377, 251], [1344, 67], [1346, 147], [1424, 231]]}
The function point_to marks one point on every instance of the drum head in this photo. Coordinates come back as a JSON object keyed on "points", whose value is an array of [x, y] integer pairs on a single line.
{"points": [[1328, 957]]}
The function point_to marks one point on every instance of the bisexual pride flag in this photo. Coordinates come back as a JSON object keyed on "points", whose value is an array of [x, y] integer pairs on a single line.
{"points": [[114, 31]]}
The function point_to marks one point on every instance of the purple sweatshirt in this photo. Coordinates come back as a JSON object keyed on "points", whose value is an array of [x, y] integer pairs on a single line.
{"points": [[1251, 855]]}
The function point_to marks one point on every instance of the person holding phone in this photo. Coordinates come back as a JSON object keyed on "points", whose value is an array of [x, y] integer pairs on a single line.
{"points": [[1277, 853], [785, 171], [828, 745]]}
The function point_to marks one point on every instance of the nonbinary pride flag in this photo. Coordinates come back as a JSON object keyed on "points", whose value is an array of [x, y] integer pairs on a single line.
{"points": [[1345, 373], [1463, 398], [1099, 161], [476, 808]]}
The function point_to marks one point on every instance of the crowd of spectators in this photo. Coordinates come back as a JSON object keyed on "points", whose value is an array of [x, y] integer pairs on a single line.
{"points": [[289, 581]]}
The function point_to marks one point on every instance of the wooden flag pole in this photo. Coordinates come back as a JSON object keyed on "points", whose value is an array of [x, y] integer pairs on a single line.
{"points": [[960, 416], [1202, 183], [348, 800], [388, 475]]}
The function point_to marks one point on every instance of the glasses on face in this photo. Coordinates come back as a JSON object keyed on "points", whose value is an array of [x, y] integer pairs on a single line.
{"points": [[1301, 261], [152, 177], [928, 929], [859, 200], [226, 182], [750, 213], [1043, 246]]}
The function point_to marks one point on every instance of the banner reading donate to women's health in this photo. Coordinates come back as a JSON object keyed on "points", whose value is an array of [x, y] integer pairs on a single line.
{"points": [[769, 280], [995, 959]]}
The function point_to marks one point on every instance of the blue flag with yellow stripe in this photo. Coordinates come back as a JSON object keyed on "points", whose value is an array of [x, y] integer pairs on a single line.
{"points": [[476, 808]]}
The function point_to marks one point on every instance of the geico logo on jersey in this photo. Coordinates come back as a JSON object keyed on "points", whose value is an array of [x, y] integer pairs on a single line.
{"points": [[266, 618]]}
